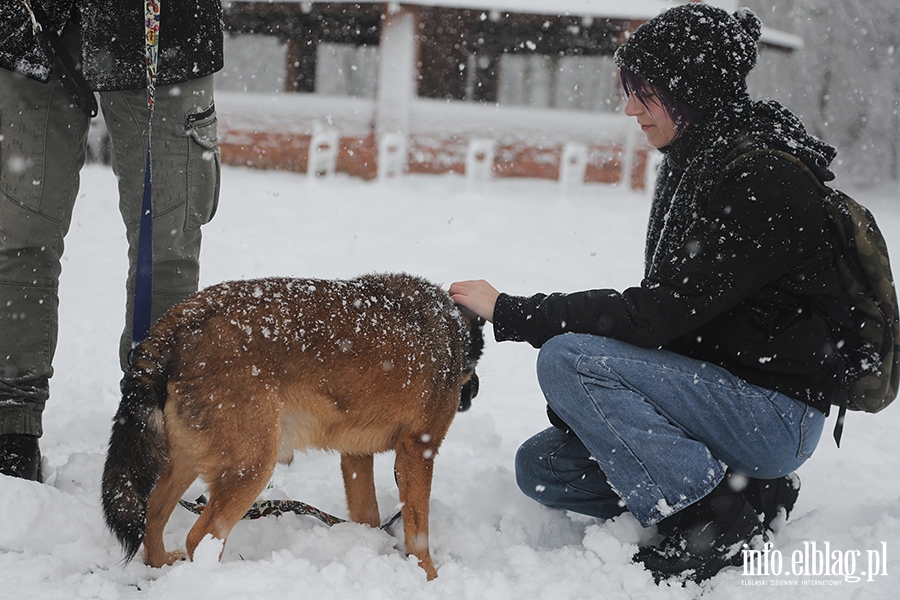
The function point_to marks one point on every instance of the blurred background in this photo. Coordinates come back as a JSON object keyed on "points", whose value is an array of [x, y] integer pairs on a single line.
{"points": [[526, 87], [845, 80]]}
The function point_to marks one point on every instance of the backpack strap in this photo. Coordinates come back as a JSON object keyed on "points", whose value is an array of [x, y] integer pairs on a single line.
{"points": [[750, 148]]}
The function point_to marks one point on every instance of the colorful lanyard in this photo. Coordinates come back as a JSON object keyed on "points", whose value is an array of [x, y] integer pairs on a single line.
{"points": [[151, 26]]}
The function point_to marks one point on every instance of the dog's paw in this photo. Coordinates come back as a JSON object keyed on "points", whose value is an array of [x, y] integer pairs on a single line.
{"points": [[175, 556], [163, 559]]}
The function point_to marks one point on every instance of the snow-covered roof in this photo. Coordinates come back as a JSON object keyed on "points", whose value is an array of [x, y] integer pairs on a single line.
{"points": [[781, 39], [610, 9], [639, 10]]}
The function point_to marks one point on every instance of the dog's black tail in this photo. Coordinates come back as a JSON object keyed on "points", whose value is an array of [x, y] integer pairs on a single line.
{"points": [[138, 451]]}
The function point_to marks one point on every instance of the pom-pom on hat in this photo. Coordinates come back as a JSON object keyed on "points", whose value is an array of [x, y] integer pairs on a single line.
{"points": [[698, 52]]}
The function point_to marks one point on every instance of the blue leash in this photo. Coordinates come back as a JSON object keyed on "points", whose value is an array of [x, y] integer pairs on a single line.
{"points": [[143, 285]]}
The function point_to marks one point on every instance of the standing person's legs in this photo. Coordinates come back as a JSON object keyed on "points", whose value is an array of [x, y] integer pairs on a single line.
{"points": [[185, 185], [42, 149]]}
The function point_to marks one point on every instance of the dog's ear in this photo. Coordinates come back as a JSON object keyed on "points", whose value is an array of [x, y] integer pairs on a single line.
{"points": [[475, 325], [472, 319]]}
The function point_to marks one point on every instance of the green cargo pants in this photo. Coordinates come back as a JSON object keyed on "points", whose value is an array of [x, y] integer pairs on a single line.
{"points": [[43, 142]]}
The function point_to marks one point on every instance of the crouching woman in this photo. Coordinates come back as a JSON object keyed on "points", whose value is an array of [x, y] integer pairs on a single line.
{"points": [[690, 399]]}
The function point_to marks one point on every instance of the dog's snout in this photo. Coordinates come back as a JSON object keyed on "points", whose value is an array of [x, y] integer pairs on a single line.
{"points": [[469, 391]]}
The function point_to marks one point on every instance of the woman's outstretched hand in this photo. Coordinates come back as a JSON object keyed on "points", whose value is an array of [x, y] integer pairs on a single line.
{"points": [[478, 296]]}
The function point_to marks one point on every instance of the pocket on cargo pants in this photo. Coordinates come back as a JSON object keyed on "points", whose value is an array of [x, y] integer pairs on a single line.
{"points": [[204, 168]]}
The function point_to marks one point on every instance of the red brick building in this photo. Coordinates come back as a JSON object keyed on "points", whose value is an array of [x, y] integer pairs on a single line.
{"points": [[515, 88]]}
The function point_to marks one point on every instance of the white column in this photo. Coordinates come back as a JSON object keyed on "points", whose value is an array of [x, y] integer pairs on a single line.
{"points": [[396, 71]]}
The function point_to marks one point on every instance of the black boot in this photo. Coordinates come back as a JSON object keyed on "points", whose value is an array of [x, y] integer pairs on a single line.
{"points": [[557, 422], [20, 456], [709, 536], [769, 497]]}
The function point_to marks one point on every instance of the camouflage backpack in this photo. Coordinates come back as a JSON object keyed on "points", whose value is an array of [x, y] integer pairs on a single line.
{"points": [[872, 355]]}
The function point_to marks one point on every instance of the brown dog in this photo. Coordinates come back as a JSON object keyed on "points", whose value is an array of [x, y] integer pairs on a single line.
{"points": [[240, 375]]}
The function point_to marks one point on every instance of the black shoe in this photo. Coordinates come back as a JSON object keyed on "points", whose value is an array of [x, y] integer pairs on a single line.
{"points": [[557, 421], [709, 536], [20, 456], [769, 497]]}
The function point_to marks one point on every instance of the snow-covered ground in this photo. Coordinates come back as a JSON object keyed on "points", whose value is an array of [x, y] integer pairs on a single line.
{"points": [[487, 539]]}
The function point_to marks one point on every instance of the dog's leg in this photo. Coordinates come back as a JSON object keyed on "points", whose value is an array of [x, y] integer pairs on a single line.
{"points": [[174, 481], [232, 492], [359, 486], [415, 463], [229, 499]]}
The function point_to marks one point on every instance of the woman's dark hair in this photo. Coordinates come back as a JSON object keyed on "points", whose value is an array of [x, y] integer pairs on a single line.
{"points": [[682, 115]]}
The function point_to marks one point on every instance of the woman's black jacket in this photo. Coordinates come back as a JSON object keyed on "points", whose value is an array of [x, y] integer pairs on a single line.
{"points": [[753, 292]]}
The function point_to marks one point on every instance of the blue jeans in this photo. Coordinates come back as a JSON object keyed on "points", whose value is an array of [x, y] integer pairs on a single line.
{"points": [[654, 431]]}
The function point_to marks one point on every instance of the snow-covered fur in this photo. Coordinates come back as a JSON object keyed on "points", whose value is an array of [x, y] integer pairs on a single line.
{"points": [[238, 376]]}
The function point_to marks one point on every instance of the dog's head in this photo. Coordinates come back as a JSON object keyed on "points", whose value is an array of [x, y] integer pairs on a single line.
{"points": [[475, 325]]}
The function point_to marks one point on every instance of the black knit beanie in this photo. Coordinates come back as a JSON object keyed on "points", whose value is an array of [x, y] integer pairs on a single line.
{"points": [[697, 52]]}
